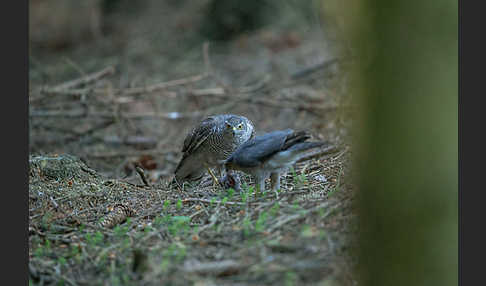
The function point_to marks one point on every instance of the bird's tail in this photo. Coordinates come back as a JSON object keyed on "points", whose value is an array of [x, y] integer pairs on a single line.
{"points": [[295, 152], [187, 171], [294, 138], [304, 146]]}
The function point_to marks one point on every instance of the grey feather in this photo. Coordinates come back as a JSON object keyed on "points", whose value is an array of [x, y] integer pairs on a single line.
{"points": [[271, 154], [253, 152]]}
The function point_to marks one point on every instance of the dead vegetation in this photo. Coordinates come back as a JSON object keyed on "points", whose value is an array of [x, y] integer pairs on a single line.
{"points": [[86, 229], [108, 215]]}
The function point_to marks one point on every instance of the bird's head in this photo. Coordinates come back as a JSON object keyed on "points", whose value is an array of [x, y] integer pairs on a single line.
{"points": [[237, 128]]}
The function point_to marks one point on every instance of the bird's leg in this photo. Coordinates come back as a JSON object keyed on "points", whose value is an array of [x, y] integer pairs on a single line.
{"points": [[221, 171], [275, 180], [215, 180], [260, 185]]}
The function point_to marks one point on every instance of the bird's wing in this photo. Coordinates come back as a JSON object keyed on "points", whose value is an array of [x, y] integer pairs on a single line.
{"points": [[257, 150], [195, 138], [199, 134]]}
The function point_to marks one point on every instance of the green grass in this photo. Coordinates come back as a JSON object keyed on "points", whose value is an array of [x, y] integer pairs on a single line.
{"points": [[94, 239], [166, 205], [247, 227], [275, 209], [120, 231], [260, 222], [246, 193], [290, 278], [230, 192], [306, 231], [299, 180], [179, 225], [169, 237]]}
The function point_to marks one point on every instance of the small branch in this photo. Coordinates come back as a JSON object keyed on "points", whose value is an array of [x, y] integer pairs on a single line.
{"points": [[127, 91], [109, 115], [79, 91], [162, 85], [217, 91], [298, 216], [79, 81], [342, 153], [56, 206], [328, 150], [213, 219], [147, 142], [196, 213], [309, 70], [280, 198], [252, 88], [74, 65], [154, 152], [142, 175], [209, 201], [252, 99]]}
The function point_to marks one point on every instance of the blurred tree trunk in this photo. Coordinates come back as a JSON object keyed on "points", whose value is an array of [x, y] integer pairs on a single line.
{"points": [[407, 85]]}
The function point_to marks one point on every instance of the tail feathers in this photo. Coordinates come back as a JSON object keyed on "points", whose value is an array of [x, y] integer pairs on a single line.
{"points": [[294, 138], [294, 153], [188, 170], [179, 166], [303, 146]]}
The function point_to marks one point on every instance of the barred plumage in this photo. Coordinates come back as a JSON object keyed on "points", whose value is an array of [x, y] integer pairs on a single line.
{"points": [[210, 143]]}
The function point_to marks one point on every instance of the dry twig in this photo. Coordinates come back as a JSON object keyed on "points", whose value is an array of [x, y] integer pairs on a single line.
{"points": [[141, 173], [319, 153], [209, 201], [80, 113], [297, 216], [79, 81]]}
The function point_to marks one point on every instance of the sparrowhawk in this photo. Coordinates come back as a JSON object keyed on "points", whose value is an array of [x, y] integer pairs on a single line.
{"points": [[210, 143], [270, 154]]}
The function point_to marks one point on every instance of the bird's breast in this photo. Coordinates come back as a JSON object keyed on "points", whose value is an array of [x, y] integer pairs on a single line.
{"points": [[220, 147]]}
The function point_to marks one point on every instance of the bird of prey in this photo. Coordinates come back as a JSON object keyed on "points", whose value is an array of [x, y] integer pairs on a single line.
{"points": [[270, 154], [210, 143]]}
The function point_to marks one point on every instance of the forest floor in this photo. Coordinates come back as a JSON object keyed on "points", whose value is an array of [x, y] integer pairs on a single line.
{"points": [[106, 131]]}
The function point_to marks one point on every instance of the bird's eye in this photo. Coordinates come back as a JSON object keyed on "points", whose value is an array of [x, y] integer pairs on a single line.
{"points": [[240, 126], [228, 125]]}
